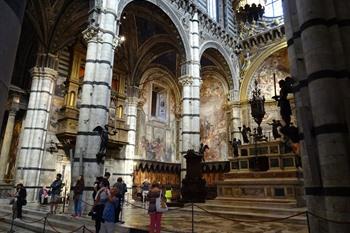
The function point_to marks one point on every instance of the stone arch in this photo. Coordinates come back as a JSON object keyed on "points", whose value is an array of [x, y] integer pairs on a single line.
{"points": [[167, 9], [158, 133], [257, 62], [231, 62], [170, 81]]}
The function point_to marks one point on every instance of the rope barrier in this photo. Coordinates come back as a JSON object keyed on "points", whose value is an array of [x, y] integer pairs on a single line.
{"points": [[89, 230], [169, 210], [86, 203], [77, 229], [328, 220], [251, 221], [52, 227], [30, 222]]}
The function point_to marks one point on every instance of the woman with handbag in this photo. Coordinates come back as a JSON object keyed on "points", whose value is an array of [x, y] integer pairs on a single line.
{"points": [[155, 215], [78, 196]]}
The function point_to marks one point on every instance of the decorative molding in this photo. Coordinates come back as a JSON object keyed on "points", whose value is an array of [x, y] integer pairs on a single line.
{"points": [[186, 80], [91, 33]]}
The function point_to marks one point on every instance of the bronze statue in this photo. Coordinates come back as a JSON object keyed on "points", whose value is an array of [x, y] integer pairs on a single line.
{"points": [[103, 133], [275, 124], [235, 145], [283, 102], [245, 131]]}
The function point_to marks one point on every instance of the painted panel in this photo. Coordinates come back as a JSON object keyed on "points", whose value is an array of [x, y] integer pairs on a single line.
{"points": [[156, 135], [213, 122]]}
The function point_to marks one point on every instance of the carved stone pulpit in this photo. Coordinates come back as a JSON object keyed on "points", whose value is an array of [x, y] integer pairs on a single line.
{"points": [[193, 186]]}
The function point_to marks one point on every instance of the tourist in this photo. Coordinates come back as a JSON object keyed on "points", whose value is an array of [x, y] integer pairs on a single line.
{"points": [[78, 196], [122, 189], [99, 205], [19, 200], [109, 215], [96, 186], [43, 195], [55, 193], [107, 176], [155, 217], [145, 188], [168, 194]]}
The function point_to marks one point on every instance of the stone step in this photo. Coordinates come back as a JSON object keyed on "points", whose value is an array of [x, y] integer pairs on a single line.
{"points": [[62, 223], [253, 209], [250, 215], [254, 202]]}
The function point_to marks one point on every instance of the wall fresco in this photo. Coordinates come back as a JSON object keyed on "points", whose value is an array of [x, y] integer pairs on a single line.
{"points": [[277, 64], [213, 122], [156, 137]]}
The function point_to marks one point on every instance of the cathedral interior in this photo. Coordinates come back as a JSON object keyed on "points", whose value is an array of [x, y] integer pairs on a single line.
{"points": [[129, 87]]}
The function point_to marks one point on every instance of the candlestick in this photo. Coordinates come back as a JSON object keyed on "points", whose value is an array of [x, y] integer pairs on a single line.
{"points": [[274, 83]]}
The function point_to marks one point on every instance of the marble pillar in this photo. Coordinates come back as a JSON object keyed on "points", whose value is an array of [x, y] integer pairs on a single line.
{"points": [[130, 147], [12, 13], [318, 48], [102, 39], [191, 82], [6, 143], [29, 163], [236, 120]]}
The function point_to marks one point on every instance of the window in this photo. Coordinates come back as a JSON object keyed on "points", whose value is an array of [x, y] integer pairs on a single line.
{"points": [[158, 103], [273, 8], [72, 99], [120, 111], [212, 9]]}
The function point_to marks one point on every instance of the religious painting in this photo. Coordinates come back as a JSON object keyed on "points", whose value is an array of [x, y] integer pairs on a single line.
{"points": [[273, 69], [156, 125], [213, 125]]}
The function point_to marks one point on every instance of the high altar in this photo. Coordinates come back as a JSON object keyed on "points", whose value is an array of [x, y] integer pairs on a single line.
{"points": [[264, 171]]}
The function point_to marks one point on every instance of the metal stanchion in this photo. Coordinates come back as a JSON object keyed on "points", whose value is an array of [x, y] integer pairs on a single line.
{"points": [[45, 220], [12, 222], [307, 221], [192, 219], [64, 199], [121, 212]]}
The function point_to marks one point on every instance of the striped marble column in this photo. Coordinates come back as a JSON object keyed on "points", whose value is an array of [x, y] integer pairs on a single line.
{"points": [[6, 143], [236, 120], [101, 43], [318, 47], [191, 83], [32, 149], [130, 147]]}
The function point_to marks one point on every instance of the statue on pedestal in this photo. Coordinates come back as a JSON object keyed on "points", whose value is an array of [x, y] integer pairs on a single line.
{"points": [[104, 135], [193, 186]]}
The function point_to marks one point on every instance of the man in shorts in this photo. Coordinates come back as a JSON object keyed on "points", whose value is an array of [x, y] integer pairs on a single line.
{"points": [[55, 193]]}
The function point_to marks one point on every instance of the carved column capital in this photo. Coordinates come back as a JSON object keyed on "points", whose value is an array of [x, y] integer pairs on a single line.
{"points": [[186, 80], [91, 33]]}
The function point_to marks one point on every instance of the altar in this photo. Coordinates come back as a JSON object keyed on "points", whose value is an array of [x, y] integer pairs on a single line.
{"points": [[264, 171]]}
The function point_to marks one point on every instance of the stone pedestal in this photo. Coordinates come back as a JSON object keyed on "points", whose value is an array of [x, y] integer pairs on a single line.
{"points": [[193, 186]]}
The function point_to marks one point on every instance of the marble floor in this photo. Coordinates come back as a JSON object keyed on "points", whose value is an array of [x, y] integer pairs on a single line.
{"points": [[179, 220]]}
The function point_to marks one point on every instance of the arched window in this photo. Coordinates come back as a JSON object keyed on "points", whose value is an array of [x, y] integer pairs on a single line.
{"points": [[72, 99], [273, 8]]}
